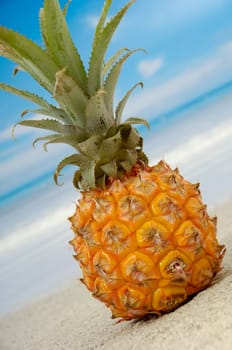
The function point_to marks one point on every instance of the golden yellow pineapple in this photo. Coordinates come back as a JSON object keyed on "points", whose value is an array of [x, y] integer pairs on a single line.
{"points": [[142, 236], [145, 242]]}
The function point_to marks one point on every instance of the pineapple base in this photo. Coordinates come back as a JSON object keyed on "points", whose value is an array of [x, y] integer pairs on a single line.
{"points": [[146, 243]]}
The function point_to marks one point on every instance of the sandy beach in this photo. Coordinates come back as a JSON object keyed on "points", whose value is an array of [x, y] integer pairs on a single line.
{"points": [[72, 319]]}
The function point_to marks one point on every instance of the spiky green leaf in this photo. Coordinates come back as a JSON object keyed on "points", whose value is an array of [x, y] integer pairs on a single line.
{"points": [[121, 105], [101, 21], [77, 179], [68, 140], [88, 179], [60, 44], [101, 42], [128, 159], [110, 168], [90, 147], [44, 138], [112, 79], [133, 141], [29, 56], [74, 159], [48, 124], [17, 69], [25, 94], [70, 97], [42, 27], [66, 7], [135, 120], [111, 62], [110, 147], [97, 117], [56, 113], [48, 109]]}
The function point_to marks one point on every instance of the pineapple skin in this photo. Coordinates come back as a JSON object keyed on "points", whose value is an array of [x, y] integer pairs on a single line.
{"points": [[145, 243]]}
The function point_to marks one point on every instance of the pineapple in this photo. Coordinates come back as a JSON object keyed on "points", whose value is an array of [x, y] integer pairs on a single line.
{"points": [[142, 235]]}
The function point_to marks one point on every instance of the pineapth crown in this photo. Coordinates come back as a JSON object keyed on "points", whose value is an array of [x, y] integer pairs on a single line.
{"points": [[84, 116]]}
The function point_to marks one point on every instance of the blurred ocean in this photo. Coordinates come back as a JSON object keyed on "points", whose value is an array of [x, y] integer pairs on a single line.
{"points": [[35, 257]]}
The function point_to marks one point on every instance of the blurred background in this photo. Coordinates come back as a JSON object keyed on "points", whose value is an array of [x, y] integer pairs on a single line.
{"points": [[187, 98]]}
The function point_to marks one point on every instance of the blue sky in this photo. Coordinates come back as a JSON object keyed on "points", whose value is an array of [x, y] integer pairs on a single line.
{"points": [[189, 45]]}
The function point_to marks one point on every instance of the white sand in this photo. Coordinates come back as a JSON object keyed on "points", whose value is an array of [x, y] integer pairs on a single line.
{"points": [[73, 320]]}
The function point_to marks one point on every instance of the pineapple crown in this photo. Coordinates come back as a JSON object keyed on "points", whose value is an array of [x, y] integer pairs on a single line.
{"points": [[84, 116]]}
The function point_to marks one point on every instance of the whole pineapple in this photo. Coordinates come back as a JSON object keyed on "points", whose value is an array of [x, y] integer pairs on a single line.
{"points": [[142, 235]]}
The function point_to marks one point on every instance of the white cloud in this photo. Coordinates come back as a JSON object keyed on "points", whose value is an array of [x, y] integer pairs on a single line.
{"points": [[6, 134], [202, 144], [169, 13], [19, 131], [203, 76], [149, 67], [92, 20], [49, 226], [29, 164]]}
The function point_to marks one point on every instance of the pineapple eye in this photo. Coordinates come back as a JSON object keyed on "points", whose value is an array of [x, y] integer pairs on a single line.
{"points": [[104, 263], [103, 206], [138, 267], [131, 298], [168, 298], [175, 265], [191, 237], [101, 290], [152, 234], [133, 210]]}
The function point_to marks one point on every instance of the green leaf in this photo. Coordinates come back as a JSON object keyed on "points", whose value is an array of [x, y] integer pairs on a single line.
{"points": [[88, 175], [101, 21], [17, 69], [128, 159], [90, 147], [123, 102], [48, 109], [112, 79], [71, 140], [111, 61], [77, 179], [48, 124], [127, 165], [25, 94], [70, 97], [110, 168], [110, 147], [42, 27], [46, 112], [29, 56], [135, 120], [74, 159], [44, 138], [131, 140], [102, 38], [66, 7], [60, 44], [68, 140], [125, 131], [97, 117]]}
